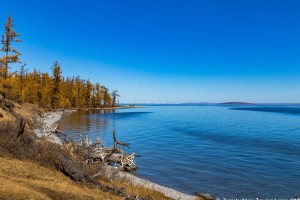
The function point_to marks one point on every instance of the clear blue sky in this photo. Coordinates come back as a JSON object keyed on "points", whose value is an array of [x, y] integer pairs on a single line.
{"points": [[167, 50]]}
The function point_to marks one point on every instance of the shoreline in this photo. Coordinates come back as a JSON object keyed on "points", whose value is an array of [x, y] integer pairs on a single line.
{"points": [[169, 192], [110, 108], [51, 119]]}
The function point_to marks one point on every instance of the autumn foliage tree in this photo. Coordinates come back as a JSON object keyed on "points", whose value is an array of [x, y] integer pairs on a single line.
{"points": [[55, 96], [10, 56], [49, 91]]}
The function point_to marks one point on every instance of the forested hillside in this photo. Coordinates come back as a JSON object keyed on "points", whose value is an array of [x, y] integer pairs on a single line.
{"points": [[46, 90]]}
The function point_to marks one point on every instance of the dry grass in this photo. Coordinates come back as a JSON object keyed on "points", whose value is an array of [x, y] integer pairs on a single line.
{"points": [[35, 177], [36, 170], [138, 191], [28, 180], [5, 116]]}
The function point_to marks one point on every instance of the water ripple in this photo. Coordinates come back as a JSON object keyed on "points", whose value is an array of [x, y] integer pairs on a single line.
{"points": [[227, 152]]}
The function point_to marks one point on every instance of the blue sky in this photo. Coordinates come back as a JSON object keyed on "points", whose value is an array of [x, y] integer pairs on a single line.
{"points": [[167, 50]]}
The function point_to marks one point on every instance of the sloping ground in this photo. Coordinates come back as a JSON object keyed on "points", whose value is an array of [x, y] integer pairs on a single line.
{"points": [[27, 111], [22, 175], [5, 116], [27, 180]]}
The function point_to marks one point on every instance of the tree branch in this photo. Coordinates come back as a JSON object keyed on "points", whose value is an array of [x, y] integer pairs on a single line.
{"points": [[116, 143]]}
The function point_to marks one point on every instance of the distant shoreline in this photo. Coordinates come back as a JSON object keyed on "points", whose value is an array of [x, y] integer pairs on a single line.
{"points": [[106, 108]]}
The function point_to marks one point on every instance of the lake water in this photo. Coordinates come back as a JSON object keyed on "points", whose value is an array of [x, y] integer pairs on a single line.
{"points": [[231, 153]]}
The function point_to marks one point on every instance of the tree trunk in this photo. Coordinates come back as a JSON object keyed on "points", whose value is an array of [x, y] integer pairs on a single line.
{"points": [[21, 127]]}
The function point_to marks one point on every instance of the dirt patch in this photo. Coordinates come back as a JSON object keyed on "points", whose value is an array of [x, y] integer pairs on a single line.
{"points": [[6, 116]]}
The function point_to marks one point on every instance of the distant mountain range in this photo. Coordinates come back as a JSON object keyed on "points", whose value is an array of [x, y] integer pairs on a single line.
{"points": [[236, 103], [231, 103]]}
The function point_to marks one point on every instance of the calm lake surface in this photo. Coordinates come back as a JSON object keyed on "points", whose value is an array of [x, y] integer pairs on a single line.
{"points": [[242, 152]]}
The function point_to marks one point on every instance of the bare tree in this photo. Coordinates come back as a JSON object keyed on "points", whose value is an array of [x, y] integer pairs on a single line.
{"points": [[114, 95]]}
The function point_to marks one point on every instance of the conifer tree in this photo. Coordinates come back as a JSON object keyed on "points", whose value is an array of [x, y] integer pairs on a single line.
{"points": [[43, 89], [114, 95], [87, 94], [39, 90], [2, 67], [97, 95], [55, 97], [69, 92], [46, 85], [21, 76], [79, 85], [106, 97], [11, 55]]}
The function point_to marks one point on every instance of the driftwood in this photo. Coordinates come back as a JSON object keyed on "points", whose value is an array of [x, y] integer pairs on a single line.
{"points": [[68, 167], [94, 153], [117, 158], [56, 156], [46, 127], [116, 143]]}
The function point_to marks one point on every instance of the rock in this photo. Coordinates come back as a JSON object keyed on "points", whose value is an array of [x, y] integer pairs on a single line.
{"points": [[205, 196]]}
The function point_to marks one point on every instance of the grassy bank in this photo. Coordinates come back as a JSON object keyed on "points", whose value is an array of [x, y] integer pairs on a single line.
{"points": [[34, 168], [24, 179]]}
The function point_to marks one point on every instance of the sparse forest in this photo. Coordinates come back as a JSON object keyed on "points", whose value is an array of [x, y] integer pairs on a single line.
{"points": [[52, 91]]}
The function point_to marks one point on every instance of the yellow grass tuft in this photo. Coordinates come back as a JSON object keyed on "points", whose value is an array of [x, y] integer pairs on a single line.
{"points": [[28, 180]]}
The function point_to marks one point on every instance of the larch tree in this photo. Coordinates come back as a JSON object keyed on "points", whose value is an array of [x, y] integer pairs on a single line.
{"points": [[11, 55], [79, 85], [48, 91], [114, 95], [106, 97], [31, 87], [55, 97], [97, 95], [46, 85], [69, 92], [21, 76], [2, 66], [87, 93], [94, 96], [39, 90]]}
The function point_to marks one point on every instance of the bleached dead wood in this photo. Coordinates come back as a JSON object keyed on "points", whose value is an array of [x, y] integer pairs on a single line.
{"points": [[98, 153], [115, 148], [49, 127]]}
